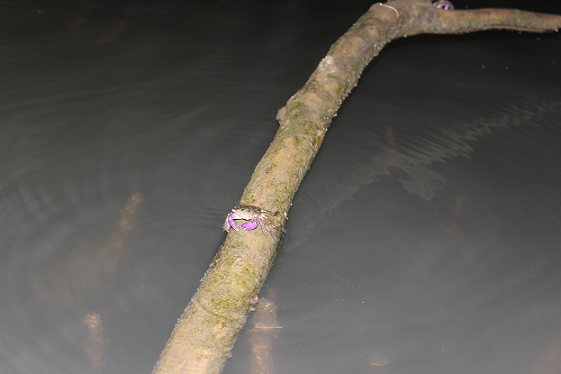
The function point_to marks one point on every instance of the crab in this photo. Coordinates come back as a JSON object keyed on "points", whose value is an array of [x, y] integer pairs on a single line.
{"points": [[443, 4], [254, 216]]}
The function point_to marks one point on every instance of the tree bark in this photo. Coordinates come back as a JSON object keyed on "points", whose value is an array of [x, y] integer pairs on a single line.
{"points": [[203, 338]]}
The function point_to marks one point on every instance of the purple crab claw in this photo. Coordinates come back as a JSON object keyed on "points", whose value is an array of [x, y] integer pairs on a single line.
{"points": [[250, 225], [231, 217]]}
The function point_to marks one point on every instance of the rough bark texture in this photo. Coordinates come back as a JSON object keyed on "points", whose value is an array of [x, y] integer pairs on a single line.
{"points": [[206, 332]]}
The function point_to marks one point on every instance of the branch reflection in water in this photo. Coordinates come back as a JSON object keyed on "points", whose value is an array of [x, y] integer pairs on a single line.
{"points": [[265, 329]]}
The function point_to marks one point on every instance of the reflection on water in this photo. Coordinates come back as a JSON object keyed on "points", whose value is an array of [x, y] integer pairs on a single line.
{"points": [[378, 365], [407, 158], [83, 270], [265, 329], [96, 344]]}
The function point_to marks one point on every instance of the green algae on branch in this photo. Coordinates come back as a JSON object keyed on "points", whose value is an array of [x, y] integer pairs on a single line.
{"points": [[204, 335]]}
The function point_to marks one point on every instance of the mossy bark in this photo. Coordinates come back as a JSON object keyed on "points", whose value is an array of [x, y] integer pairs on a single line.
{"points": [[203, 337]]}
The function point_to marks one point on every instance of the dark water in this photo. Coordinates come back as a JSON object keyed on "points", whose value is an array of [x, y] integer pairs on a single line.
{"points": [[425, 238]]}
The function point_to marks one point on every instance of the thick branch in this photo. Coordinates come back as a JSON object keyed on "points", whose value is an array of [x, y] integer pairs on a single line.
{"points": [[206, 332], [463, 21]]}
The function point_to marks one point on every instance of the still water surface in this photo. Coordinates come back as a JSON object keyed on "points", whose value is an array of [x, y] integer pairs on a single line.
{"points": [[425, 238]]}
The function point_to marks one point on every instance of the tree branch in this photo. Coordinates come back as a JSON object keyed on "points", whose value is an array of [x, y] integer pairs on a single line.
{"points": [[206, 332]]}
